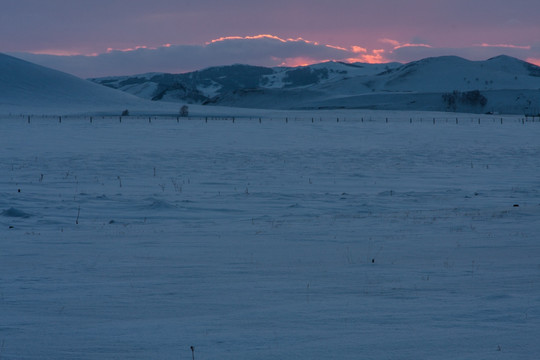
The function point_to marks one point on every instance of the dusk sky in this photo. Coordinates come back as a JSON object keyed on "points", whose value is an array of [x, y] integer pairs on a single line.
{"points": [[121, 37]]}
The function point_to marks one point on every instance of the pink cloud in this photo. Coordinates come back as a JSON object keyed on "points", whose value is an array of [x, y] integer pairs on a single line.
{"points": [[397, 45], [57, 52], [412, 45], [138, 47], [336, 47], [507, 46], [389, 41]]}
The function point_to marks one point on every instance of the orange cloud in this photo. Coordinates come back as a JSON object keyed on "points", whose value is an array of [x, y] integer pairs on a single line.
{"points": [[300, 61], [376, 57], [533, 61], [373, 57], [358, 49]]}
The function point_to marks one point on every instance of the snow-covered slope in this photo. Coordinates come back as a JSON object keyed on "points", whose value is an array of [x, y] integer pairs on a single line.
{"points": [[448, 83], [31, 88]]}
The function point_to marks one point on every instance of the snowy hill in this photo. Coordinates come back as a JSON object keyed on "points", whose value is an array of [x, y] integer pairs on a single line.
{"points": [[209, 85], [499, 85], [449, 83], [29, 88], [449, 73]]}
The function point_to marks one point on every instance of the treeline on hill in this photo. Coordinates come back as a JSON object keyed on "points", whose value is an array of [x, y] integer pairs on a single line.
{"points": [[468, 98]]}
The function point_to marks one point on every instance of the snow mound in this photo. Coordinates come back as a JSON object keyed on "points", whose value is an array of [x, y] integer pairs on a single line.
{"points": [[15, 213]]}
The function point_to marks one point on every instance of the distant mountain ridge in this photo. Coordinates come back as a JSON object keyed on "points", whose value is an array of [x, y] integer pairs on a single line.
{"points": [[205, 86], [500, 84]]}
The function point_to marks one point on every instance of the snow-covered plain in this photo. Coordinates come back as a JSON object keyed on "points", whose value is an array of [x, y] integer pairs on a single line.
{"points": [[270, 240]]}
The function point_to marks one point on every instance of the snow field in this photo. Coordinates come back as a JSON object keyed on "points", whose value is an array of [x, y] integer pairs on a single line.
{"points": [[270, 240]]}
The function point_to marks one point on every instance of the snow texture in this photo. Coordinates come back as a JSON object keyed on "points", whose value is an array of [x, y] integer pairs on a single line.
{"points": [[363, 238]]}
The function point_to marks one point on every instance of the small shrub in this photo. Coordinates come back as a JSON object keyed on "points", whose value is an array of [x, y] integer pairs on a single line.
{"points": [[468, 98], [184, 111]]}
